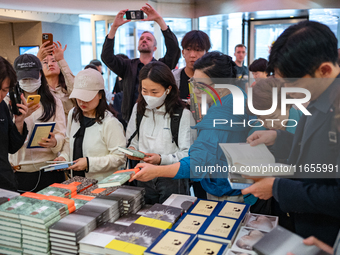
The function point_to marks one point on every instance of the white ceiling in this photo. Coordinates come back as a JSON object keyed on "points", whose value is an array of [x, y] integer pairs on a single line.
{"points": [[44, 10]]}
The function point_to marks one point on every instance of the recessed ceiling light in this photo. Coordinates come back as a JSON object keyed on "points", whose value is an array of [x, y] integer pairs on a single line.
{"points": [[292, 16]]}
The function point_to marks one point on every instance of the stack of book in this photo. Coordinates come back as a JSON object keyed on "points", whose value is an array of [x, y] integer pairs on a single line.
{"points": [[133, 198], [81, 183], [180, 201], [95, 241], [65, 234], [37, 219], [10, 227], [91, 215], [255, 227]]}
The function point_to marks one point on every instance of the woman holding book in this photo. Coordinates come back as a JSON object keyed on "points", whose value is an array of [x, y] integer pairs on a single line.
{"points": [[12, 133], [158, 103], [205, 151], [93, 133], [59, 77], [27, 161]]}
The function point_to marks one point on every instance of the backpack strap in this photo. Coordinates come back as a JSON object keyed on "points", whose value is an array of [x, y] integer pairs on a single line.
{"points": [[174, 124], [138, 121]]}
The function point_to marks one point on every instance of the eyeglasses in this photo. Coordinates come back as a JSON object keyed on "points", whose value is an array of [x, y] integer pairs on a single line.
{"points": [[199, 84]]}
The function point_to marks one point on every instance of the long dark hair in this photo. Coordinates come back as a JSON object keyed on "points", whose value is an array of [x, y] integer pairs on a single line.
{"points": [[7, 71], [160, 73], [47, 99], [62, 82], [100, 109]]}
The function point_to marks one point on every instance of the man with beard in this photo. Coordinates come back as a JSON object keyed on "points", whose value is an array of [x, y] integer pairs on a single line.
{"points": [[128, 69]]}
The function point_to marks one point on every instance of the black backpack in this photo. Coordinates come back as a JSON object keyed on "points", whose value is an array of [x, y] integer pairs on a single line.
{"points": [[174, 125]]}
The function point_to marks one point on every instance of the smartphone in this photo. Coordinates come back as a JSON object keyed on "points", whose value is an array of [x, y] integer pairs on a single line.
{"points": [[33, 98], [14, 95], [47, 37], [132, 15]]}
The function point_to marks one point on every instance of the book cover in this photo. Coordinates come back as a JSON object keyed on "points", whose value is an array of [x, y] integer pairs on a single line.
{"points": [[234, 210], [144, 209], [132, 152], [40, 130], [100, 237], [281, 241], [43, 211], [164, 212], [204, 247], [57, 166], [121, 247], [13, 207], [180, 201], [170, 243], [138, 189], [220, 229], [74, 225], [190, 223], [205, 207], [79, 202], [246, 238], [81, 183], [55, 191], [139, 234], [114, 180], [95, 191], [127, 219], [261, 222], [153, 223], [66, 201]]}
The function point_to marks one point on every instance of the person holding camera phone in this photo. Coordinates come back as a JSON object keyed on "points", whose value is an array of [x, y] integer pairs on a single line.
{"points": [[27, 162], [58, 74], [12, 134], [128, 69]]}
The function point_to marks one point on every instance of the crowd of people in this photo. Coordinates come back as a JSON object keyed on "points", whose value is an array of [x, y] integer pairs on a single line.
{"points": [[150, 114]]}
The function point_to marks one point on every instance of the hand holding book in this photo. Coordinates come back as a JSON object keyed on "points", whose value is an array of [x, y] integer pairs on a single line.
{"points": [[50, 142]]}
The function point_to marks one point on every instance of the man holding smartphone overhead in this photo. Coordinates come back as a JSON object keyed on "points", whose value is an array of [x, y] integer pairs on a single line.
{"points": [[128, 69]]}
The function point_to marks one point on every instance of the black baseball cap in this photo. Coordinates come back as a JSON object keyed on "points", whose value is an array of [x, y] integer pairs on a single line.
{"points": [[27, 66]]}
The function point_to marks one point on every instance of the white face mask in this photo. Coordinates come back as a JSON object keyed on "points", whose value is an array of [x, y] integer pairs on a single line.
{"points": [[154, 102], [30, 85]]}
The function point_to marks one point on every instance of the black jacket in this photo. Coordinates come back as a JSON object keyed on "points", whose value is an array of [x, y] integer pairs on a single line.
{"points": [[313, 203], [127, 68], [10, 142]]}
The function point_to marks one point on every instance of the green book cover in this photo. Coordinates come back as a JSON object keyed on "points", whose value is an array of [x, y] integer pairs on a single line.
{"points": [[43, 211], [79, 202], [54, 191], [13, 208], [114, 180]]}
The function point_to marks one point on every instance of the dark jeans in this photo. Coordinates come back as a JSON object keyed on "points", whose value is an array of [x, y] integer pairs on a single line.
{"points": [[36, 181], [159, 189]]}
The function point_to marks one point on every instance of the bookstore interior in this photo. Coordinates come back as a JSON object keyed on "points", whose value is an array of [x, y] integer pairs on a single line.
{"points": [[89, 217]]}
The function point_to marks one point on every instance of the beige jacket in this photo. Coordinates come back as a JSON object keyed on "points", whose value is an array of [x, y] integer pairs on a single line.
{"points": [[32, 159], [99, 145]]}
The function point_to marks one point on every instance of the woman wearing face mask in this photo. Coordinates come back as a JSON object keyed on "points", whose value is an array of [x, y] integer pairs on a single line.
{"points": [[205, 151], [27, 162], [59, 76], [157, 102], [93, 133]]}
